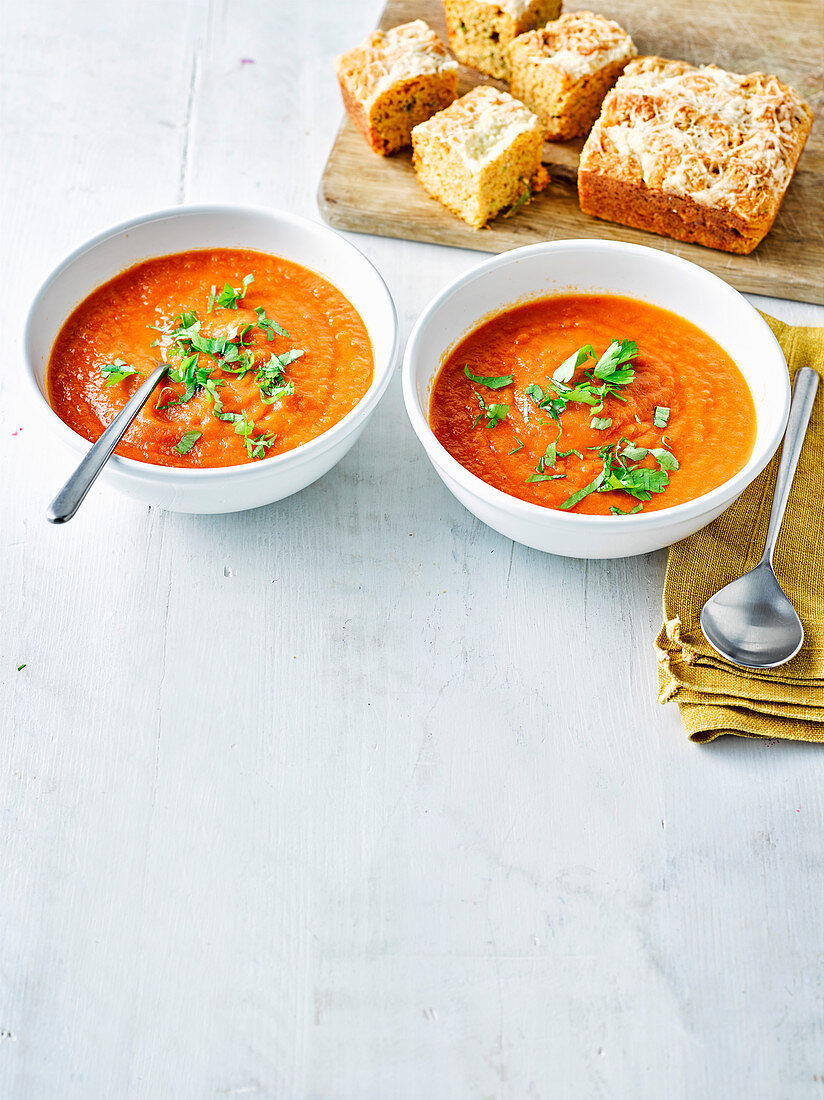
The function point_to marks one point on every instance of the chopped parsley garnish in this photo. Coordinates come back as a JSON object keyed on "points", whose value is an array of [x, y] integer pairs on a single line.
{"points": [[187, 441], [601, 423], [230, 296], [545, 477], [116, 371], [515, 450], [639, 481], [194, 359], [520, 202], [569, 366], [660, 417], [492, 382], [494, 413], [269, 326], [255, 448]]}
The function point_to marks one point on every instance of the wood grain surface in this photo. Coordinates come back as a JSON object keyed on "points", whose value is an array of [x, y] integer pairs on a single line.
{"points": [[371, 194], [346, 798]]}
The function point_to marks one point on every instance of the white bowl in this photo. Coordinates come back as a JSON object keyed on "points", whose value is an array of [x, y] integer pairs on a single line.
{"points": [[634, 271], [228, 488]]}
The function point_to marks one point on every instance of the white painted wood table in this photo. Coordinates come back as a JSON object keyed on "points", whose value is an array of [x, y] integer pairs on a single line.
{"points": [[349, 797]]}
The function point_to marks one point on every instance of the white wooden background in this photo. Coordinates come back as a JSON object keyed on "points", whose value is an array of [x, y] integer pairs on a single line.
{"points": [[349, 797]]}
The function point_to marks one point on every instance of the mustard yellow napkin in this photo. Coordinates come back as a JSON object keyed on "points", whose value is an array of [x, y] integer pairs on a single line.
{"points": [[713, 695]]}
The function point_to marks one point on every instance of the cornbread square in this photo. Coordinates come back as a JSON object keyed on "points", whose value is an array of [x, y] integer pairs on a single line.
{"points": [[481, 154], [396, 79], [480, 30], [698, 154], [563, 70]]}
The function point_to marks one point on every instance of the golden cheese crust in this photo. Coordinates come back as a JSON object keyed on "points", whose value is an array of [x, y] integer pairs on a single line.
{"points": [[717, 149]]}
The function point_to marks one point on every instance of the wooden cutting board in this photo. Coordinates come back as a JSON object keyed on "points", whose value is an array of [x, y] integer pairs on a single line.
{"points": [[362, 191]]}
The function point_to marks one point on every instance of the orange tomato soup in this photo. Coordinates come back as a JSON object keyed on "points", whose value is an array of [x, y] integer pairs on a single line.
{"points": [[686, 415], [285, 309]]}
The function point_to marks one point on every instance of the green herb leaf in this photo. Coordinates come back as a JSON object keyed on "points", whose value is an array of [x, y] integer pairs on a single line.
{"points": [[269, 326], [516, 449], [569, 366], [545, 477], [521, 201], [637, 481], [210, 305], [595, 484], [618, 353], [116, 371], [490, 381], [617, 511], [187, 441], [665, 459], [660, 417], [633, 452], [601, 423], [495, 414], [20, 668], [229, 297]]}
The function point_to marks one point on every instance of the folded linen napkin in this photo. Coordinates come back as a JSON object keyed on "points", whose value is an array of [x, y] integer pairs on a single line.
{"points": [[714, 696]]}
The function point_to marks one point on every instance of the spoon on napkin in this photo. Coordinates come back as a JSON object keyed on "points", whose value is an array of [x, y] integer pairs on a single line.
{"points": [[751, 622], [71, 496]]}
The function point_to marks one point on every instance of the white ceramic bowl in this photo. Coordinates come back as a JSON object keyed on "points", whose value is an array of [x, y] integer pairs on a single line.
{"points": [[557, 267], [229, 488]]}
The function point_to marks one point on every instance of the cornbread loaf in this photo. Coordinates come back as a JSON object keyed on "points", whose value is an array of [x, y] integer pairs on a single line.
{"points": [[480, 31], [396, 79], [480, 155], [698, 154], [563, 71]]}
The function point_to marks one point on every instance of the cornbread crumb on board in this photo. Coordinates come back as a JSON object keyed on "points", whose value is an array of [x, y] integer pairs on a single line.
{"points": [[480, 155], [395, 80], [480, 31], [563, 71], [697, 154]]}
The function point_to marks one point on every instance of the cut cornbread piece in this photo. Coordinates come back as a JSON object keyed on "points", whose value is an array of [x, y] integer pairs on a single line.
{"points": [[395, 80], [563, 71], [481, 154], [480, 31], [697, 154]]}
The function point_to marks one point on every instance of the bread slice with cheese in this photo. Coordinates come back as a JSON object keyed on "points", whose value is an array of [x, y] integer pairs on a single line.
{"points": [[395, 80], [480, 155], [697, 154], [563, 71]]}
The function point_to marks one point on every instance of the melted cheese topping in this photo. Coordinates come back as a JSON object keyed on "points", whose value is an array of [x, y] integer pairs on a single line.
{"points": [[481, 125], [390, 57], [722, 139], [581, 43], [515, 8]]}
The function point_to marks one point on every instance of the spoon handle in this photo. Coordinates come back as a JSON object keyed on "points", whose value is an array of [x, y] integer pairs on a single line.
{"points": [[804, 387], [70, 497]]}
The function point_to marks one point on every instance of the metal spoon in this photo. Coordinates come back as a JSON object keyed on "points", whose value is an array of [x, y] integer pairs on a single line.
{"points": [[750, 621], [71, 496]]}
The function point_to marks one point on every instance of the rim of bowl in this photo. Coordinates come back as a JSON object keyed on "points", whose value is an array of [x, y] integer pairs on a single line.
{"points": [[135, 467], [731, 488]]}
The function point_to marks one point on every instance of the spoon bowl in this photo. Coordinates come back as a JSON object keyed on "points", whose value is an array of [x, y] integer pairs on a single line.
{"points": [[751, 622]]}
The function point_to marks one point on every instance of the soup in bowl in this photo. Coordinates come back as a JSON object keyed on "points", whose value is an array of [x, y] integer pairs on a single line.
{"points": [[595, 399], [280, 338]]}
